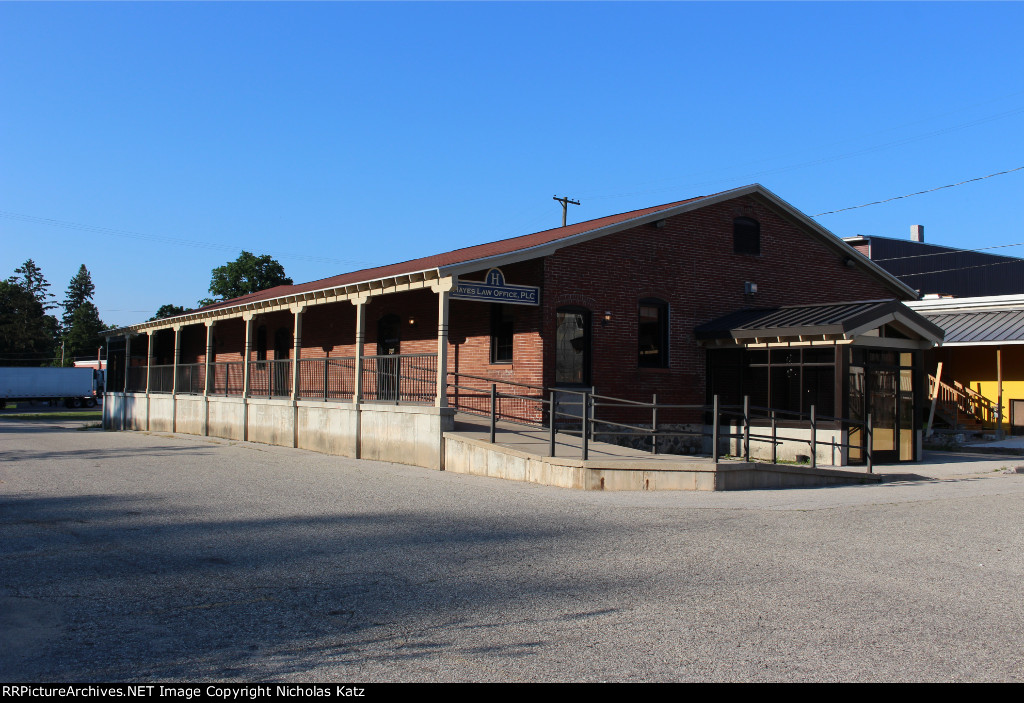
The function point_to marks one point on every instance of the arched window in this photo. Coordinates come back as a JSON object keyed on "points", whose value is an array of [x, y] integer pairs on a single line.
{"points": [[572, 346], [746, 236], [282, 343], [652, 334]]}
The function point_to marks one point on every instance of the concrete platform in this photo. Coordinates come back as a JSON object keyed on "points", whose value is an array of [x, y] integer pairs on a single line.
{"points": [[521, 454]]}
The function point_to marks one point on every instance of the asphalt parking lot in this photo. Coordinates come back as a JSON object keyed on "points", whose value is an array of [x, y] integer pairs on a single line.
{"points": [[135, 556]]}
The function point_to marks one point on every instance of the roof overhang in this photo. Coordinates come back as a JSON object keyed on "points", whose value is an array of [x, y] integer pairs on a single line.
{"points": [[422, 278], [838, 322], [354, 292], [757, 190]]}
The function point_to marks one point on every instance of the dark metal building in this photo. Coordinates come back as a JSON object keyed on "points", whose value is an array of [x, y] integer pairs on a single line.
{"points": [[934, 269]]}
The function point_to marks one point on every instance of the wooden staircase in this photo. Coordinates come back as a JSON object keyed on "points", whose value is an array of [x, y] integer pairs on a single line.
{"points": [[961, 408]]}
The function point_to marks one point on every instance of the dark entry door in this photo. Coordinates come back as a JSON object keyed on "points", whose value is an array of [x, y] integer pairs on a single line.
{"points": [[389, 344], [572, 342], [280, 372], [884, 414], [891, 403]]}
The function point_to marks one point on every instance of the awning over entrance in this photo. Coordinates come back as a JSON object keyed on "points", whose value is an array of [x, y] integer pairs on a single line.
{"points": [[825, 322]]}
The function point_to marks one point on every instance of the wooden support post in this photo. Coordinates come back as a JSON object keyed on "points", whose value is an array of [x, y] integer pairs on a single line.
{"points": [[208, 363], [149, 367], [357, 384], [297, 311], [246, 380], [935, 398], [999, 393], [174, 378], [127, 371], [443, 290]]}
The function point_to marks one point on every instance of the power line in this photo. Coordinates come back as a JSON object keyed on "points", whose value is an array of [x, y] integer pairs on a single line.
{"points": [[823, 160], [952, 251], [109, 231], [920, 192], [959, 268]]}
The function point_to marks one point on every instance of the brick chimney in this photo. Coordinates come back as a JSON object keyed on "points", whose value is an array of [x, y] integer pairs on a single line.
{"points": [[917, 233]]}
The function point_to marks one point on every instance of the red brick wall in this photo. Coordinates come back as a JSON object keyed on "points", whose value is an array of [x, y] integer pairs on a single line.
{"points": [[690, 264], [470, 331]]}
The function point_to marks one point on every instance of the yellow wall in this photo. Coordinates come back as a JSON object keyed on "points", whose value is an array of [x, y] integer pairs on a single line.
{"points": [[976, 366]]}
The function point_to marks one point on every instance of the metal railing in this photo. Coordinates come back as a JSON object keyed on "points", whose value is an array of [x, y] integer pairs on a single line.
{"points": [[400, 378], [161, 378], [136, 379], [469, 399], [191, 379], [270, 379], [227, 378], [513, 401], [957, 399], [327, 379]]}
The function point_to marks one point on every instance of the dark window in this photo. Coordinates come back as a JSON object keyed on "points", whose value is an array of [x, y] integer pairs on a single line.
{"points": [[652, 334], [746, 236], [784, 379], [282, 343], [261, 343], [502, 333]]}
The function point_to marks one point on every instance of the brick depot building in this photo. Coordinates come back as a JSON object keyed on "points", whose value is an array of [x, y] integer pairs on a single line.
{"points": [[733, 294]]}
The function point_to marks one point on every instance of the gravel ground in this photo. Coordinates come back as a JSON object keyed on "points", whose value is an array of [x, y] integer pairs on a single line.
{"points": [[135, 556]]}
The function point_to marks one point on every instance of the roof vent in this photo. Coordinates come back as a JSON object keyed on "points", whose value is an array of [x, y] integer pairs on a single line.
{"points": [[917, 233]]}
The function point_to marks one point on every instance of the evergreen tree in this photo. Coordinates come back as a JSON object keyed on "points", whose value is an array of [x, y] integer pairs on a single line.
{"points": [[82, 335], [27, 333], [80, 291], [32, 280]]}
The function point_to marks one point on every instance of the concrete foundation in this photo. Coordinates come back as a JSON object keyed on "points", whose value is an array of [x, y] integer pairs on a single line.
{"points": [[405, 434], [469, 455], [423, 436]]}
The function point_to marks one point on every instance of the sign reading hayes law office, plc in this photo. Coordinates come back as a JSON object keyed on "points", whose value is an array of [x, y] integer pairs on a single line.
{"points": [[493, 289]]}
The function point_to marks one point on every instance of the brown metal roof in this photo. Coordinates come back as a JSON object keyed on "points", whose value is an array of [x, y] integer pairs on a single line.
{"points": [[458, 256], [810, 320], [980, 325]]}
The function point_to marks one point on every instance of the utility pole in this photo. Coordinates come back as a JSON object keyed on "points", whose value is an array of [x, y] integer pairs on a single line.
{"points": [[565, 206]]}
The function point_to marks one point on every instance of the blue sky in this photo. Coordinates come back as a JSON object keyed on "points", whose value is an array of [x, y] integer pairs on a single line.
{"points": [[153, 141]]}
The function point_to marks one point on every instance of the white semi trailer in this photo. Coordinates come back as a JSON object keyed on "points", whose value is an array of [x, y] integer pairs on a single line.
{"points": [[74, 387]]}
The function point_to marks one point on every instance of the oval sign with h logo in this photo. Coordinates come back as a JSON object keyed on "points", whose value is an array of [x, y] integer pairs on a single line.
{"points": [[493, 289]]}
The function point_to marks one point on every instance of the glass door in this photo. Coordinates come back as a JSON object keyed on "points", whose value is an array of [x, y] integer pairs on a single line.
{"points": [[572, 347]]}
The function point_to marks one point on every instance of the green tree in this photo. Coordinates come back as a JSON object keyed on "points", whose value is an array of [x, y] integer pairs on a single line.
{"points": [[82, 336], [32, 280], [27, 333], [169, 310], [80, 291], [246, 274]]}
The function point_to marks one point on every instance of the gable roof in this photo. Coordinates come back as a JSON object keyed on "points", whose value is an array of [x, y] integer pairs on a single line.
{"points": [[531, 246], [844, 320], [478, 252]]}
